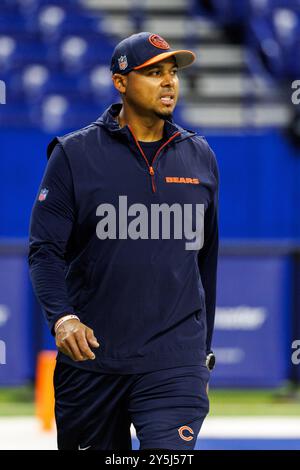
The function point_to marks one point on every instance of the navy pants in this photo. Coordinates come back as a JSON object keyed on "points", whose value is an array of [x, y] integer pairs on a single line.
{"points": [[95, 411]]}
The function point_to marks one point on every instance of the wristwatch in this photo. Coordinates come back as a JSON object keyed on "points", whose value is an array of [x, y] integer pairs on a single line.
{"points": [[210, 361]]}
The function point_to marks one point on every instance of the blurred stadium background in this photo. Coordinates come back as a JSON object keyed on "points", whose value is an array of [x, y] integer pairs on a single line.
{"points": [[54, 72]]}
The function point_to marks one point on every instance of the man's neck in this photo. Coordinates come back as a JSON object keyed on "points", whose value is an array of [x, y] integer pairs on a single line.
{"points": [[144, 128]]}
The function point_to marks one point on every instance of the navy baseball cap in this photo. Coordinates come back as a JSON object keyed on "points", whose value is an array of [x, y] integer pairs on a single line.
{"points": [[143, 49]]}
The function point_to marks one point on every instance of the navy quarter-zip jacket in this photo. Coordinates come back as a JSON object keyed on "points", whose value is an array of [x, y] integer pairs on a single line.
{"points": [[151, 302]]}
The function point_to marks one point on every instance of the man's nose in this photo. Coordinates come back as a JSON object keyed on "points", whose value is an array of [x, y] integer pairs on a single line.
{"points": [[168, 80]]}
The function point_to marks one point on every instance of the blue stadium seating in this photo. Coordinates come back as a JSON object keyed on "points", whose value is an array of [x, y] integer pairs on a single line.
{"points": [[54, 47], [276, 37], [271, 29], [49, 47]]}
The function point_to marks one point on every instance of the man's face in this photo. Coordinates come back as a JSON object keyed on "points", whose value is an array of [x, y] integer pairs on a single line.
{"points": [[153, 90]]}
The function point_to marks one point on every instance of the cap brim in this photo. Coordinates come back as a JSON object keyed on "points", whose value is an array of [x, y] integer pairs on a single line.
{"points": [[184, 58]]}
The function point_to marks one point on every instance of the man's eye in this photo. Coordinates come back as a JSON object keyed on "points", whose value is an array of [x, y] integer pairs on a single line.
{"points": [[156, 73]]}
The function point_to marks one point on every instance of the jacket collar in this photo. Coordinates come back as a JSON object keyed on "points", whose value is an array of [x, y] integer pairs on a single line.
{"points": [[108, 121]]}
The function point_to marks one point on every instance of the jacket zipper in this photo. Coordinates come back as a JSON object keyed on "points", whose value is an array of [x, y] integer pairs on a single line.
{"points": [[150, 167]]}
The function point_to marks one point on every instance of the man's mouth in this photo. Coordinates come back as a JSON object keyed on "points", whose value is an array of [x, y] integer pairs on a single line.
{"points": [[167, 98]]}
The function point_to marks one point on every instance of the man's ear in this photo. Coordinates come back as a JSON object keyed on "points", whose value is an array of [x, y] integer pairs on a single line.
{"points": [[120, 82]]}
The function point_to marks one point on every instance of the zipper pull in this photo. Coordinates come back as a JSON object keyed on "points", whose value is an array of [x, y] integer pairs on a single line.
{"points": [[151, 171]]}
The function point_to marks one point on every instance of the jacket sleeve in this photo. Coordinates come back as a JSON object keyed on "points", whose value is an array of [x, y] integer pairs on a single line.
{"points": [[208, 255], [51, 224]]}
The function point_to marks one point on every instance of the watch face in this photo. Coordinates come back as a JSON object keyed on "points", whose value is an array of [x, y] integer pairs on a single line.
{"points": [[211, 361]]}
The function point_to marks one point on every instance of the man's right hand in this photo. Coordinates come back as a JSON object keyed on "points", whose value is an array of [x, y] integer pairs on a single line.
{"points": [[75, 339]]}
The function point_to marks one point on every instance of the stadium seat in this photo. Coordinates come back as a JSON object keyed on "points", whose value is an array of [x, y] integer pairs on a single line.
{"points": [[34, 81], [53, 21], [36, 4], [286, 26], [20, 51], [7, 52], [28, 84], [99, 84], [56, 113], [77, 53], [230, 11]]}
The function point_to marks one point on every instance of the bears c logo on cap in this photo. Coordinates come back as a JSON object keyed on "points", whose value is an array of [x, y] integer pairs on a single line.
{"points": [[158, 41]]}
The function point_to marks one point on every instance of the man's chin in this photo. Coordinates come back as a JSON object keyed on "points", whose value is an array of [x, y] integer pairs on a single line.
{"points": [[166, 115]]}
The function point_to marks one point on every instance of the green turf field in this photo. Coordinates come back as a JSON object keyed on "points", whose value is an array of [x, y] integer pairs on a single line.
{"points": [[17, 401], [253, 403], [20, 402]]}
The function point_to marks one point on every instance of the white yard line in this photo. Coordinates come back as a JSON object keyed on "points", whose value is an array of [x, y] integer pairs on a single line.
{"points": [[26, 433]]}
